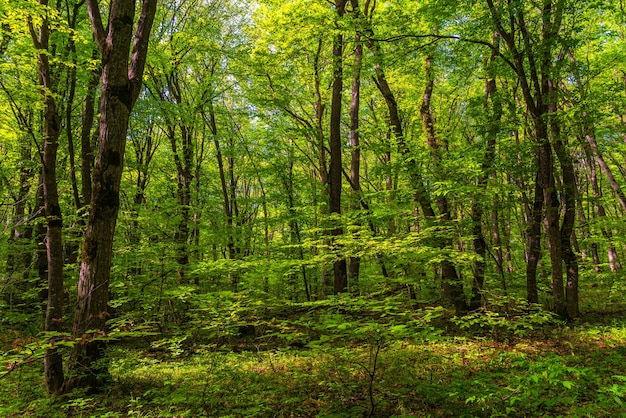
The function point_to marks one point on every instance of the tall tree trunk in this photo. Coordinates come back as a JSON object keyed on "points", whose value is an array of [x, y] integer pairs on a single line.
{"points": [[228, 213], [86, 139], [593, 156], [335, 169], [619, 193], [121, 85], [53, 362], [569, 196], [493, 110], [355, 161], [184, 179], [593, 245], [533, 234], [600, 211]]}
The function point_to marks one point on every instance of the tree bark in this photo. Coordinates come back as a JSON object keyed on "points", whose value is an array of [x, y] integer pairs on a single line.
{"points": [[569, 196], [53, 362], [121, 84], [86, 139], [355, 160], [335, 172], [493, 110]]}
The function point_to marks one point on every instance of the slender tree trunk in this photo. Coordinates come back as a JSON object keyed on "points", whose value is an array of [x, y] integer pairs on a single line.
{"points": [[593, 245], [621, 198], [226, 194], [41, 257], [86, 139], [493, 109], [336, 169], [355, 161], [533, 234], [600, 211], [593, 156], [183, 181], [569, 196], [53, 362]]}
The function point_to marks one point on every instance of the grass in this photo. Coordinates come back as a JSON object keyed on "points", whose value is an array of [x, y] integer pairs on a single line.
{"points": [[575, 370]]}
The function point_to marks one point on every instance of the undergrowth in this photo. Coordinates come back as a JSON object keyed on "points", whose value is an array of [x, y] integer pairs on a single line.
{"points": [[345, 357]]}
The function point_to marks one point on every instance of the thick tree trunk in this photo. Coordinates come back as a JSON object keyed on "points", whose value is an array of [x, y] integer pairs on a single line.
{"points": [[552, 212], [121, 84], [53, 362]]}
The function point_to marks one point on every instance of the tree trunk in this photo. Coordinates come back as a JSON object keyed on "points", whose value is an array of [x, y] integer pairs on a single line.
{"points": [[533, 234], [335, 169], [121, 84], [226, 203], [53, 362], [535, 69], [355, 161], [494, 115], [86, 140], [593, 156], [568, 196]]}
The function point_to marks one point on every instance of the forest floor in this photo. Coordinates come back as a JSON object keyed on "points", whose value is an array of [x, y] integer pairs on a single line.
{"points": [[351, 358]]}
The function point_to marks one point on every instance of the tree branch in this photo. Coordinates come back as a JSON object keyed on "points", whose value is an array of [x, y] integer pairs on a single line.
{"points": [[140, 45], [96, 25], [437, 38]]}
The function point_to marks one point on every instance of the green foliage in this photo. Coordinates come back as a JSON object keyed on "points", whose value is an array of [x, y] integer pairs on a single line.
{"points": [[508, 318], [249, 329], [365, 367]]}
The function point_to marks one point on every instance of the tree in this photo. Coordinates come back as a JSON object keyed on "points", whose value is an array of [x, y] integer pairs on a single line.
{"points": [[537, 74], [122, 72], [53, 362], [335, 170]]}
